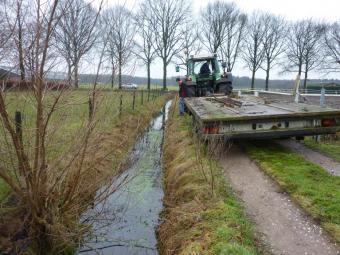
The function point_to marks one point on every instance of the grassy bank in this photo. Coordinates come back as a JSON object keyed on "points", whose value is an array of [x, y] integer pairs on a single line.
{"points": [[198, 219], [316, 191], [329, 147], [108, 146], [70, 118]]}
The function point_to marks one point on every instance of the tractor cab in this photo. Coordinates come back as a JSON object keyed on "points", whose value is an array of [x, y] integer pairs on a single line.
{"points": [[206, 76]]}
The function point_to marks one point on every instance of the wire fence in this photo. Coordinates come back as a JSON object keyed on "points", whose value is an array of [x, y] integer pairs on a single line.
{"points": [[77, 108]]}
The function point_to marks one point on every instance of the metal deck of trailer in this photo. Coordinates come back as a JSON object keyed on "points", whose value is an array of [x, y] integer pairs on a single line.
{"points": [[253, 117]]}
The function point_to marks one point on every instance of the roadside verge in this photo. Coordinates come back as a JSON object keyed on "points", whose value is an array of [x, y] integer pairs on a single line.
{"points": [[201, 215], [315, 190]]}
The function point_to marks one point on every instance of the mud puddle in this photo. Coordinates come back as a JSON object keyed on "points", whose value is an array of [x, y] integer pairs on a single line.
{"points": [[127, 220]]}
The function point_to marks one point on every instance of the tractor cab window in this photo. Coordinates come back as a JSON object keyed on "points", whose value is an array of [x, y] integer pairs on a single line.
{"points": [[199, 64]]}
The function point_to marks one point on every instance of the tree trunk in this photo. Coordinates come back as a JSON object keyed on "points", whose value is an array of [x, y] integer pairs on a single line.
{"points": [[305, 80], [229, 67], [113, 77], [164, 74], [21, 60], [76, 83], [253, 79], [69, 73], [267, 75], [300, 69], [120, 74], [20, 49], [149, 79]]}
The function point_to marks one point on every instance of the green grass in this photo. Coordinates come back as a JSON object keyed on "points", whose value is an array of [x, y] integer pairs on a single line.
{"points": [[314, 189], [329, 147], [67, 122], [3, 190], [197, 220]]}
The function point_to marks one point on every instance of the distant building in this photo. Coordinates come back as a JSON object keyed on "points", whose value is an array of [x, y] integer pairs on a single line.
{"points": [[6, 74]]}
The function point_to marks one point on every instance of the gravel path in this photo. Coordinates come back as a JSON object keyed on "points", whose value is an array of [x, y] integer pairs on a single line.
{"points": [[330, 165], [281, 225]]}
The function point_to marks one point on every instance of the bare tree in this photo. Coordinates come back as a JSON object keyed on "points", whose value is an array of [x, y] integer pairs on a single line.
{"points": [[301, 50], [121, 29], [295, 47], [19, 39], [332, 47], [75, 34], [214, 21], [49, 190], [6, 32], [144, 47], [168, 16], [191, 43], [16, 18], [235, 31], [273, 42], [312, 55], [254, 52]]}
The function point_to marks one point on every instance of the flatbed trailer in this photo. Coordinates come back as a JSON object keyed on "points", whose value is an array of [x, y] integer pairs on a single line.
{"points": [[251, 117]]}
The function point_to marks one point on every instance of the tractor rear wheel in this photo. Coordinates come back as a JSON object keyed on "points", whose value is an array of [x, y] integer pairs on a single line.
{"points": [[225, 88]]}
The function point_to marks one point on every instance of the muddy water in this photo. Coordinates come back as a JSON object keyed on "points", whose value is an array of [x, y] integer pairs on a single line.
{"points": [[127, 220]]}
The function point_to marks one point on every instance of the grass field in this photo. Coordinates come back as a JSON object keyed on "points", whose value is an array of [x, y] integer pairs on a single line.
{"points": [[69, 119], [314, 189], [197, 218], [329, 147]]}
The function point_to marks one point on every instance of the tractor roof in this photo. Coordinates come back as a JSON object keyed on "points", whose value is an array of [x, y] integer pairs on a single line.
{"points": [[202, 57]]}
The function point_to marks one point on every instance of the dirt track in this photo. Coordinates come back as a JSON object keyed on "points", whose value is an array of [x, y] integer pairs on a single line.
{"points": [[330, 165], [280, 224]]}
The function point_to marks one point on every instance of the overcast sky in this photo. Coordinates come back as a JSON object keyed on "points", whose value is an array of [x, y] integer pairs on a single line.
{"points": [[326, 10]]}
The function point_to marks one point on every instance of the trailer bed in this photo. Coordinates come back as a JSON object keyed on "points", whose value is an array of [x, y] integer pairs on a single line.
{"points": [[254, 117]]}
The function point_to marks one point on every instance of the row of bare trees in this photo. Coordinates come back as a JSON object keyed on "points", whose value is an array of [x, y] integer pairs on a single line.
{"points": [[166, 29], [263, 41]]}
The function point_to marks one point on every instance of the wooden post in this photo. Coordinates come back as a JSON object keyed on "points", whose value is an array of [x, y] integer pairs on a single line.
{"points": [[148, 95], [90, 108], [142, 97], [121, 105], [18, 124], [133, 100]]}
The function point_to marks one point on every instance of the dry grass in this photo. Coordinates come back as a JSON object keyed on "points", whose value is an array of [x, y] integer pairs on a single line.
{"points": [[195, 219], [103, 160]]}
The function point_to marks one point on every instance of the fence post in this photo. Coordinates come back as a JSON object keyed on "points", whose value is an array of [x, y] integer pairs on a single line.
{"points": [[133, 100], [148, 95], [90, 108], [18, 124], [322, 97], [142, 97], [120, 104]]}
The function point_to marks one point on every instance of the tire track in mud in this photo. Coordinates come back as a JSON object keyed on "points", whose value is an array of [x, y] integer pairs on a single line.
{"points": [[279, 223], [330, 165]]}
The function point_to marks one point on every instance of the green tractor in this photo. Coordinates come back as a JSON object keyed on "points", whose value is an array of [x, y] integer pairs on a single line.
{"points": [[206, 76]]}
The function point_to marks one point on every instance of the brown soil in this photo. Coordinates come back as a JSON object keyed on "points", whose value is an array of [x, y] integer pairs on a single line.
{"points": [[280, 224], [330, 165]]}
